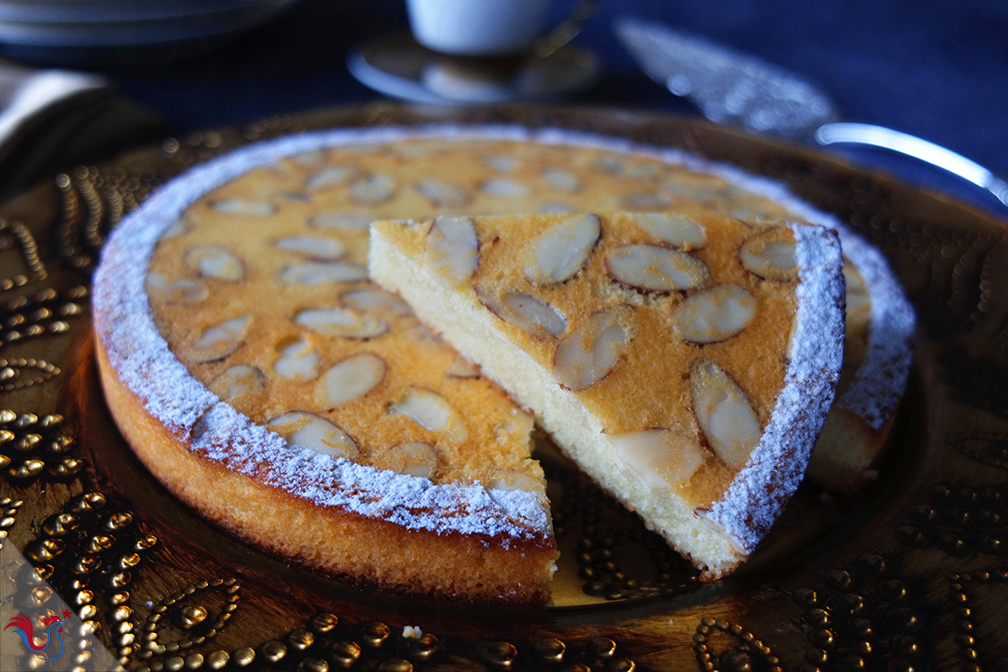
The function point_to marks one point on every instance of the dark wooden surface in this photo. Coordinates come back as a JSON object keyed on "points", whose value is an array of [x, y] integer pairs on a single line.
{"points": [[910, 574]]}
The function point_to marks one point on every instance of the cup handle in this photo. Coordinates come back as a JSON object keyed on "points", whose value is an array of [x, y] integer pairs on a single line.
{"points": [[566, 30]]}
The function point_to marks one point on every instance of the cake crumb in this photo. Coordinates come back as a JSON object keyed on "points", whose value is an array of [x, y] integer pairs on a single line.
{"points": [[412, 632]]}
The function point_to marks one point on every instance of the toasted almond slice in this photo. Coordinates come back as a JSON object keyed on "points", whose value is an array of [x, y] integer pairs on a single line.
{"points": [[431, 411], [714, 314], [443, 194], [331, 176], [220, 340], [556, 208], [452, 249], [184, 291], [213, 261], [640, 171], [501, 163], [662, 457], [530, 314], [341, 322], [341, 220], [676, 230], [561, 250], [419, 333], [413, 459], [724, 413], [506, 188], [297, 196], [350, 379], [313, 247], [309, 431], [755, 216], [588, 353], [238, 382], [509, 480], [176, 228], [314, 157], [607, 164], [697, 191], [239, 206], [376, 300], [562, 179], [643, 200], [656, 269], [769, 256], [297, 361], [373, 190], [517, 426], [313, 273]]}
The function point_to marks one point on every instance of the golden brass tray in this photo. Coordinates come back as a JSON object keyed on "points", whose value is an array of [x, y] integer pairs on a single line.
{"points": [[910, 574]]}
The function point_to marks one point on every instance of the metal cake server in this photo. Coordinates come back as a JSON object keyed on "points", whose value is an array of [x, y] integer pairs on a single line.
{"points": [[739, 89]]}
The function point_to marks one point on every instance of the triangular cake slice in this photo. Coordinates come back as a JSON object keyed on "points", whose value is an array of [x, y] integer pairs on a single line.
{"points": [[686, 364]]}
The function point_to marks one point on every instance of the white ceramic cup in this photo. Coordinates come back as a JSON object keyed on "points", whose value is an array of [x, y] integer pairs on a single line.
{"points": [[478, 27]]}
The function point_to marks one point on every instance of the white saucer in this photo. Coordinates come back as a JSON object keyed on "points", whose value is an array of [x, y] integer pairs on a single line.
{"points": [[397, 66]]}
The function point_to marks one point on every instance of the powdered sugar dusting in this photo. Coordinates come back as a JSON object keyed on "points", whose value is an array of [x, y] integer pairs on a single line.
{"points": [[224, 435], [776, 466], [135, 348]]}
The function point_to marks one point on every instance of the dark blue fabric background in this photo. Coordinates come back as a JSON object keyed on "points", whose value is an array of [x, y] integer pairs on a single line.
{"points": [[934, 68]]}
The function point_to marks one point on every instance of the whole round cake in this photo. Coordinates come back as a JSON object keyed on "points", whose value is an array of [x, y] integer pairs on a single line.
{"points": [[268, 383]]}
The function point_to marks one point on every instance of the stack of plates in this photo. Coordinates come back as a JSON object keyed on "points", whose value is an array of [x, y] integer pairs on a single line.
{"points": [[54, 26]]}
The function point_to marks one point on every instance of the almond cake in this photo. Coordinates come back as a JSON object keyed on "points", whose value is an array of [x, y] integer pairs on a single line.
{"points": [[685, 363], [268, 383]]}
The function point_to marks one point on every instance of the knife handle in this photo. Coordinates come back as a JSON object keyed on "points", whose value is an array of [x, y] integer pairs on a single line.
{"points": [[887, 138]]}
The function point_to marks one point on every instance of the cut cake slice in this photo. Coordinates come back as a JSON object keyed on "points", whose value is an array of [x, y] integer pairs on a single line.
{"points": [[686, 364]]}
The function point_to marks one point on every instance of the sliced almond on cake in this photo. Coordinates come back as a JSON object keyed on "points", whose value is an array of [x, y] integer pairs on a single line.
{"points": [[697, 407]]}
